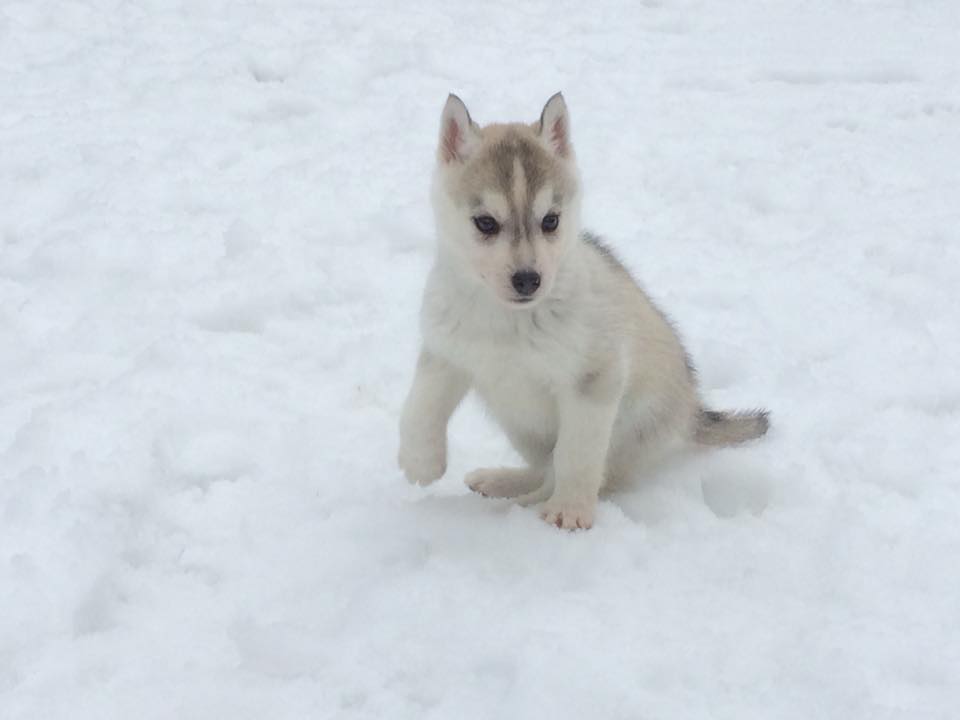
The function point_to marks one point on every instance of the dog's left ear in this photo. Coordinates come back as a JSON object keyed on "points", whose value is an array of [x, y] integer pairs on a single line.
{"points": [[555, 125], [458, 133]]}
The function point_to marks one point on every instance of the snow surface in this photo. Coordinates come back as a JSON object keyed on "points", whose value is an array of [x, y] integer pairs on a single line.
{"points": [[214, 229]]}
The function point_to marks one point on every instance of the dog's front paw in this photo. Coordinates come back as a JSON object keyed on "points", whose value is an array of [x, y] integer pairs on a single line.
{"points": [[423, 462], [569, 514]]}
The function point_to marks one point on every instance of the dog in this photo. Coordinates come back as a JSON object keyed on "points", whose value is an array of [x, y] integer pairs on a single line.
{"points": [[584, 374]]}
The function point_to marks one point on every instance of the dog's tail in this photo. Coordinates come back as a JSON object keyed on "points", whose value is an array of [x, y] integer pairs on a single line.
{"points": [[730, 427]]}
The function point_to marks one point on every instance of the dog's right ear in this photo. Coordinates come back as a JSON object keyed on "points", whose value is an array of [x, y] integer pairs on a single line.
{"points": [[458, 133], [555, 125]]}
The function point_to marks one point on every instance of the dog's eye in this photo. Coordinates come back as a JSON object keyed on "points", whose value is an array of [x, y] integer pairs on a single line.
{"points": [[486, 224], [550, 222]]}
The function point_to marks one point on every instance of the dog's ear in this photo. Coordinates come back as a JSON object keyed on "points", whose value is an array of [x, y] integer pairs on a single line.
{"points": [[555, 125], [458, 133]]}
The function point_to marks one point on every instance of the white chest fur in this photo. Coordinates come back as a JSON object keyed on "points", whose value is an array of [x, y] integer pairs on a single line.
{"points": [[497, 345], [517, 360]]}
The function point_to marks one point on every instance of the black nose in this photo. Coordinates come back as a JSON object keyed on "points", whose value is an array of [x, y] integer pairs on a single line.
{"points": [[526, 282]]}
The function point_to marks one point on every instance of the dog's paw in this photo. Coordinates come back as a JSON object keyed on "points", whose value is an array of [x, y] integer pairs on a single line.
{"points": [[423, 463], [503, 482], [569, 515]]}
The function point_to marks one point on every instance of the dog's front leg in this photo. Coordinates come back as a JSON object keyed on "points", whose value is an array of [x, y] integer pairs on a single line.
{"points": [[587, 414], [437, 389]]}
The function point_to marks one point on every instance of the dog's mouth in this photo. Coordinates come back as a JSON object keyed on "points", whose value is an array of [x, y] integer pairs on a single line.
{"points": [[522, 300]]}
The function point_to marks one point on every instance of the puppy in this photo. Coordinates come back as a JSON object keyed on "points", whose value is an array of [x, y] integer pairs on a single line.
{"points": [[582, 371]]}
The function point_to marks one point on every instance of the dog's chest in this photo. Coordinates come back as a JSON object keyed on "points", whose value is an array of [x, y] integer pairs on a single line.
{"points": [[515, 380], [519, 351], [518, 361]]}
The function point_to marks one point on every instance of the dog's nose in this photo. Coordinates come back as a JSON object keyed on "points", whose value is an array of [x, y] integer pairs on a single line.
{"points": [[526, 282]]}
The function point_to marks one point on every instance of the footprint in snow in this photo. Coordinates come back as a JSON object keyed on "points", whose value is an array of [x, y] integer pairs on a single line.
{"points": [[201, 457], [734, 490]]}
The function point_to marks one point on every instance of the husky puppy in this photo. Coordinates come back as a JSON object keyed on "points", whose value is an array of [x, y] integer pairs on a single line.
{"points": [[584, 374]]}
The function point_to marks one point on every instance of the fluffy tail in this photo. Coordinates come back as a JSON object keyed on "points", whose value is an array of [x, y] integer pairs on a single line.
{"points": [[730, 427]]}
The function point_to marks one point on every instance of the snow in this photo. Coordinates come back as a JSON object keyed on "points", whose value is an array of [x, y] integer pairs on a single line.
{"points": [[213, 235]]}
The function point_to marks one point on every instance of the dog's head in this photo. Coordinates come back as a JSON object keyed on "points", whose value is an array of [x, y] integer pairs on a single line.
{"points": [[507, 199]]}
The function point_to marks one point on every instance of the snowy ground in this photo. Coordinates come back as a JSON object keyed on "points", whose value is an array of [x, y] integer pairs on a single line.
{"points": [[213, 233]]}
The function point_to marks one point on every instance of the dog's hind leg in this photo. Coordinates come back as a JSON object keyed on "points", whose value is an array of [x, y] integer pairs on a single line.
{"points": [[539, 494], [504, 482]]}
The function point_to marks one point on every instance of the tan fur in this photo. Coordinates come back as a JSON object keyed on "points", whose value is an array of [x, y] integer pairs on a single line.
{"points": [[587, 379]]}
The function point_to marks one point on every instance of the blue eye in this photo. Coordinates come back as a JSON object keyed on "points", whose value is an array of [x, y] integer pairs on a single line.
{"points": [[550, 222], [486, 224]]}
